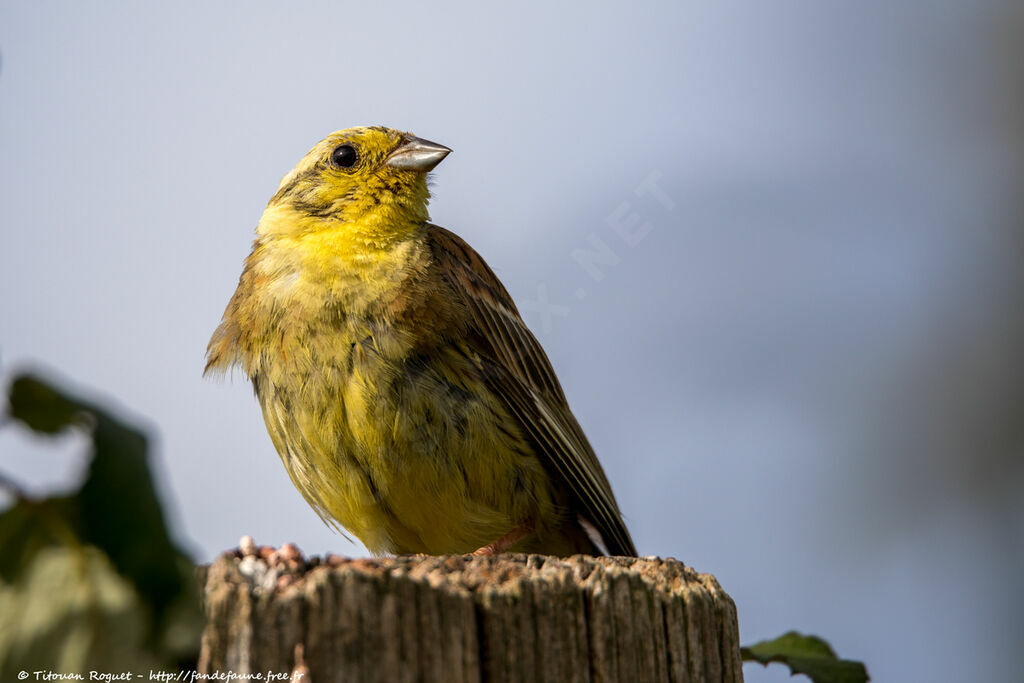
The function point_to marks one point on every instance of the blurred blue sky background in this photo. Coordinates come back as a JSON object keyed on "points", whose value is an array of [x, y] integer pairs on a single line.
{"points": [[804, 377]]}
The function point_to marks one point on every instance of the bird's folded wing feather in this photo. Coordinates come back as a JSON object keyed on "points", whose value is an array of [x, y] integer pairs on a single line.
{"points": [[519, 372]]}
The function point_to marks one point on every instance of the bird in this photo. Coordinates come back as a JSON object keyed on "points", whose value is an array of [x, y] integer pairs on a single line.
{"points": [[409, 402]]}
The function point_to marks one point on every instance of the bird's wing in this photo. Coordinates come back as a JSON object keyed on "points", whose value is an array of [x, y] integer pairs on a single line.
{"points": [[519, 372]]}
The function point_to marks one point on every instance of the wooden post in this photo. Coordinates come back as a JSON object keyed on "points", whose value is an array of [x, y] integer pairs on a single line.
{"points": [[465, 619]]}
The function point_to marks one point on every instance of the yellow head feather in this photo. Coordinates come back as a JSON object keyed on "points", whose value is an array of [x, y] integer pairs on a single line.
{"points": [[337, 231], [345, 184]]}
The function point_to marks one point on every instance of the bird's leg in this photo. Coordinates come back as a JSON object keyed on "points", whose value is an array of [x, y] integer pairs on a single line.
{"points": [[503, 543]]}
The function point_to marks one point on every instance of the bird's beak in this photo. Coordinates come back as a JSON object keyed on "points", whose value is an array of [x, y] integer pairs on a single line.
{"points": [[417, 154]]}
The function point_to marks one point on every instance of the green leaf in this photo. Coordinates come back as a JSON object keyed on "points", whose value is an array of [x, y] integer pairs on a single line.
{"points": [[121, 515], [808, 655], [40, 406], [116, 510]]}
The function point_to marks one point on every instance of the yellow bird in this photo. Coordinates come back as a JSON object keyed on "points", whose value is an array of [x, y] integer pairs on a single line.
{"points": [[406, 397]]}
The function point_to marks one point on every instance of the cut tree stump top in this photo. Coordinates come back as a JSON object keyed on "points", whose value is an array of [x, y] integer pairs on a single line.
{"points": [[465, 619]]}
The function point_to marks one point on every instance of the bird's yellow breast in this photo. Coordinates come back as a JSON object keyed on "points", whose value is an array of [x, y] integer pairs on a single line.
{"points": [[378, 429]]}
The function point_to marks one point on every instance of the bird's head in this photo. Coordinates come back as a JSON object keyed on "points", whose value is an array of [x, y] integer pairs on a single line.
{"points": [[372, 179]]}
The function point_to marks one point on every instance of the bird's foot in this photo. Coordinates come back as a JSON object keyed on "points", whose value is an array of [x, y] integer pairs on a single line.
{"points": [[503, 543]]}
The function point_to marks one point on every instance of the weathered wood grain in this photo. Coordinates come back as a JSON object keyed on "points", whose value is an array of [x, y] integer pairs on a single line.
{"points": [[466, 619]]}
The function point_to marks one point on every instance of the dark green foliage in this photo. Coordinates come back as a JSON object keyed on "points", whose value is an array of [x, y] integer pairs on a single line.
{"points": [[121, 515], [97, 562], [41, 407], [807, 655]]}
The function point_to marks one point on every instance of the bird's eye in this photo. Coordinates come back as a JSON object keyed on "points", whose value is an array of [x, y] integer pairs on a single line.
{"points": [[344, 156]]}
